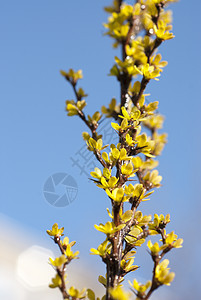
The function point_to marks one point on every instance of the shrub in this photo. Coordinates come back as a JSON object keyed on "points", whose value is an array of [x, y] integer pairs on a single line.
{"points": [[138, 30]]}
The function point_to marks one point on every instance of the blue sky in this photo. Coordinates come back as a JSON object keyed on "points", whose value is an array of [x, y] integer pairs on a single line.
{"points": [[38, 38]]}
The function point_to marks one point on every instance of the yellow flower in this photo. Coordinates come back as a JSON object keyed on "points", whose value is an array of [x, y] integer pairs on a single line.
{"points": [[55, 231], [144, 145], [134, 115], [126, 66], [156, 61], [105, 157], [74, 293], [150, 108], [159, 221], [150, 72], [116, 154], [107, 173], [159, 142], [162, 273], [155, 121], [94, 145], [126, 216], [117, 194], [136, 191], [97, 173], [127, 169], [129, 140], [162, 32], [74, 108], [149, 164], [142, 220], [72, 75], [137, 162], [153, 178], [109, 228], [131, 238], [66, 242], [171, 239], [124, 125], [59, 261], [56, 282], [119, 294], [107, 184], [102, 249], [127, 265], [136, 51], [155, 248], [70, 254], [140, 288]]}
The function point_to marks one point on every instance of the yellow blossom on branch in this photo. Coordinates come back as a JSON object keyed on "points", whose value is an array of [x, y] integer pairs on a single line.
{"points": [[149, 72], [162, 273], [59, 261], [55, 230], [102, 249], [139, 28], [117, 194], [119, 294], [139, 287], [56, 282], [72, 75], [75, 108], [162, 32], [75, 293], [109, 228]]}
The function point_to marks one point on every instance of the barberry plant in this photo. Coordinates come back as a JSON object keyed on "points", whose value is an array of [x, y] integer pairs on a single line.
{"points": [[139, 30]]}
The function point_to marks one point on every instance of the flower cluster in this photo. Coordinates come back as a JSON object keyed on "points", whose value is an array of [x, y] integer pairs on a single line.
{"points": [[127, 172], [60, 263]]}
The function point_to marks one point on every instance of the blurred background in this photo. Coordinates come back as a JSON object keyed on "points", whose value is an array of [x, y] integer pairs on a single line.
{"points": [[44, 164]]}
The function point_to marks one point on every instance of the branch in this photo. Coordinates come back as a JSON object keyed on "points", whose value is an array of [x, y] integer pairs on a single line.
{"points": [[91, 126], [125, 78], [61, 273], [119, 5]]}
